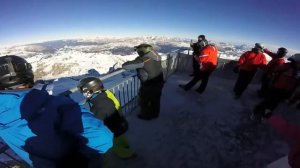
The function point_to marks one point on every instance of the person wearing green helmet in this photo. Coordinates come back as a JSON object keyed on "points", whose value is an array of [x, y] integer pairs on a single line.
{"points": [[149, 70]]}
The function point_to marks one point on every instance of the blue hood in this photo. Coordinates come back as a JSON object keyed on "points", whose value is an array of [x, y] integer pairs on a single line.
{"points": [[34, 122]]}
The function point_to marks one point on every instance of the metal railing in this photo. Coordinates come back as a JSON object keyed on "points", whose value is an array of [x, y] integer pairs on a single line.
{"points": [[127, 93]]}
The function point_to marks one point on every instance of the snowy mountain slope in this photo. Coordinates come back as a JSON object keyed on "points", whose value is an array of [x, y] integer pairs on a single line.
{"points": [[62, 58]]}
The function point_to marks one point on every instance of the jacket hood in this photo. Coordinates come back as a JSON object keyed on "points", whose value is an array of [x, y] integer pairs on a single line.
{"points": [[15, 104]]}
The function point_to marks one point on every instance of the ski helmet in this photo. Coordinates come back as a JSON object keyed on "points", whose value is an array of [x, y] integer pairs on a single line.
{"points": [[143, 49], [14, 70], [201, 37], [259, 46], [295, 58], [90, 85], [281, 52]]}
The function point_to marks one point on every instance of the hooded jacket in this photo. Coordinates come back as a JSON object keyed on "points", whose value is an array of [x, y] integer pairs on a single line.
{"points": [[46, 130], [148, 66]]}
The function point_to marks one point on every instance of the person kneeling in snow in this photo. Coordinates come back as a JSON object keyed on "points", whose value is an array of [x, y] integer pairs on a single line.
{"points": [[44, 130], [106, 107]]}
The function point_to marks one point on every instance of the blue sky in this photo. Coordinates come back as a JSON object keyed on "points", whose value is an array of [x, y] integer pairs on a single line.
{"points": [[273, 22]]}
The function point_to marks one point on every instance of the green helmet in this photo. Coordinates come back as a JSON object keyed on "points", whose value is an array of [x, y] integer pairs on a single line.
{"points": [[143, 49]]}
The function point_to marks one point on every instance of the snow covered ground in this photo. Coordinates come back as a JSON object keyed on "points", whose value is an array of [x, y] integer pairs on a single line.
{"points": [[212, 130]]}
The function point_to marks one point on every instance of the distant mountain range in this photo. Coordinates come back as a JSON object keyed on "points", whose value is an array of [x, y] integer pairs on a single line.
{"points": [[61, 58]]}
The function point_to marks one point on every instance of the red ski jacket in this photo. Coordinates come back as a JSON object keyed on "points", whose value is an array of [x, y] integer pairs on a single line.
{"points": [[208, 58], [284, 77], [292, 132], [250, 61], [274, 63]]}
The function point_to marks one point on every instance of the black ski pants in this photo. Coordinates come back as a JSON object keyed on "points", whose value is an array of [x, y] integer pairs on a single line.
{"points": [[149, 97], [243, 81], [196, 66], [200, 75], [273, 98]]}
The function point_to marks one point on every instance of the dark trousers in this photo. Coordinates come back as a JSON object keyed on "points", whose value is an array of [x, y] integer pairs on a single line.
{"points": [[243, 81], [200, 75], [149, 97], [265, 84], [271, 101], [196, 66]]}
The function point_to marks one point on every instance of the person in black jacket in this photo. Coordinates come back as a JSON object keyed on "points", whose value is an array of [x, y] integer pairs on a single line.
{"points": [[106, 107], [149, 70], [196, 51]]}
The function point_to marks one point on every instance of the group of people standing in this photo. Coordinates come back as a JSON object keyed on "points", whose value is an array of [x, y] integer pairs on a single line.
{"points": [[55, 131], [279, 82]]}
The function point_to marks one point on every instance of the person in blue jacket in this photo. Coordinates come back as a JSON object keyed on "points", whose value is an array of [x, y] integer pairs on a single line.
{"points": [[47, 131]]}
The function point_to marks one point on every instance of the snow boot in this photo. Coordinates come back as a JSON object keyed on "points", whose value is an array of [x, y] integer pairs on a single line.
{"points": [[183, 87], [121, 148]]}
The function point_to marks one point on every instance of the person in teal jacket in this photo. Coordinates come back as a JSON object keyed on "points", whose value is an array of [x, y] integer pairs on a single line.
{"points": [[47, 131]]}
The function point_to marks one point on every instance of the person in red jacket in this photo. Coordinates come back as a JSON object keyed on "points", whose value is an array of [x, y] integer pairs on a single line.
{"points": [[292, 133], [247, 67], [282, 87], [277, 59], [207, 59]]}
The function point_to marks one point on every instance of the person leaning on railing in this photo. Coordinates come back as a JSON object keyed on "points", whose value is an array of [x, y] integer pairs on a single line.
{"points": [[107, 107], [149, 70]]}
